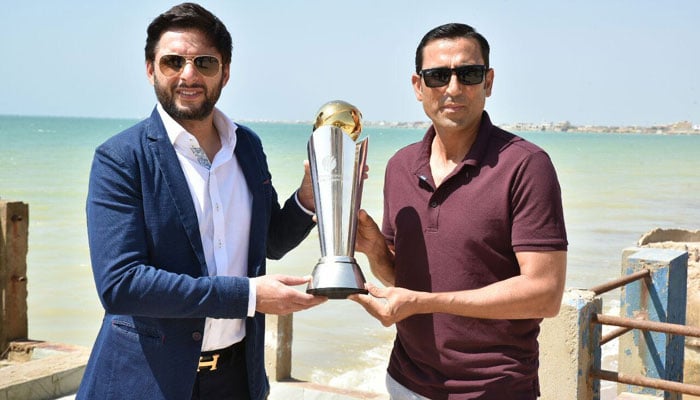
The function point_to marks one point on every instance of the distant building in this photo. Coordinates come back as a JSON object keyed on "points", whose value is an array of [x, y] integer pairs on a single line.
{"points": [[682, 126]]}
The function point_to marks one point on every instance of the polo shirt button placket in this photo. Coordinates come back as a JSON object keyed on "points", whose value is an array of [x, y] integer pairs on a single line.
{"points": [[432, 215], [196, 336]]}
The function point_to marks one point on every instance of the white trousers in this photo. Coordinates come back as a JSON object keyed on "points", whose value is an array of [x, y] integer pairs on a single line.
{"points": [[398, 391]]}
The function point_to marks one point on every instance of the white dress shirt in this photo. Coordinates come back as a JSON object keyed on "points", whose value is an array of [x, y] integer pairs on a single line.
{"points": [[223, 203]]}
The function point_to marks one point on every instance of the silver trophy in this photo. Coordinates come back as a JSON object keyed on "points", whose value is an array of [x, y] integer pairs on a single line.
{"points": [[337, 165]]}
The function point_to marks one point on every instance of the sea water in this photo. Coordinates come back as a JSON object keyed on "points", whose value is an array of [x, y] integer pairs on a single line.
{"points": [[615, 187]]}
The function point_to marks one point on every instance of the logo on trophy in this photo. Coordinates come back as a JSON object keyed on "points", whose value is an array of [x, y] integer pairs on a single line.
{"points": [[337, 164]]}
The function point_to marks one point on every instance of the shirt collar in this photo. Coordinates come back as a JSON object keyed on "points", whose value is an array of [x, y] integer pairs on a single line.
{"points": [[473, 158], [179, 135], [476, 152]]}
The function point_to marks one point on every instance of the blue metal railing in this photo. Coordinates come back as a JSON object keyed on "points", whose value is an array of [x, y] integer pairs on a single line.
{"points": [[653, 299]]}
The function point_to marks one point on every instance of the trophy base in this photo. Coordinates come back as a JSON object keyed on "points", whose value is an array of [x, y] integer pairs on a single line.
{"points": [[337, 278]]}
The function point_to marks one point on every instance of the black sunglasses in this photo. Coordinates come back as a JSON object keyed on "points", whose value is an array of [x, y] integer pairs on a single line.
{"points": [[171, 64], [466, 75]]}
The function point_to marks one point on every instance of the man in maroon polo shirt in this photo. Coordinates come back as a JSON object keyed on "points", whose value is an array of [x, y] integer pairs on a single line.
{"points": [[473, 245]]}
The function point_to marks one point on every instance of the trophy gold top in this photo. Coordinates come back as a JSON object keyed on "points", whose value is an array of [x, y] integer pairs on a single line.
{"points": [[341, 114]]}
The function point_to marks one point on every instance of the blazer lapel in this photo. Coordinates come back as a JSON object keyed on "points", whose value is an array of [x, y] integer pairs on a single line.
{"points": [[257, 178], [169, 165]]}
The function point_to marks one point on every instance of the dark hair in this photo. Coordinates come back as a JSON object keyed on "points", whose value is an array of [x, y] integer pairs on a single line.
{"points": [[190, 16], [452, 31]]}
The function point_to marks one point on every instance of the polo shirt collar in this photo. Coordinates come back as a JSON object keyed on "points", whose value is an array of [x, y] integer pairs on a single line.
{"points": [[474, 156]]}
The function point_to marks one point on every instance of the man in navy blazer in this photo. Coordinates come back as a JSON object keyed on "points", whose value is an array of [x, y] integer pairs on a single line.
{"points": [[181, 216]]}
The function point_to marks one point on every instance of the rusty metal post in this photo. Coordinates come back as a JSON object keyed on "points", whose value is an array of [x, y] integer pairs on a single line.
{"points": [[659, 298], [14, 229]]}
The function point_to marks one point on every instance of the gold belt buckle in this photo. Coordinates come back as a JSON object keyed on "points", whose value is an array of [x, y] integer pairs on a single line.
{"points": [[211, 364]]}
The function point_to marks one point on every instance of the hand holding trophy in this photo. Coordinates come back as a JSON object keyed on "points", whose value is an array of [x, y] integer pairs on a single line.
{"points": [[337, 166]]}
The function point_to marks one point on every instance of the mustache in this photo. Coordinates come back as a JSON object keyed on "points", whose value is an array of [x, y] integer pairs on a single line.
{"points": [[193, 86]]}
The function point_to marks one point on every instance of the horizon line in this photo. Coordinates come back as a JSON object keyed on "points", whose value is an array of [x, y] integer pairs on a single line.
{"points": [[390, 123]]}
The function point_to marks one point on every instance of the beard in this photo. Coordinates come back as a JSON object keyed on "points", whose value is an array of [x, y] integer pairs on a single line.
{"points": [[166, 98]]}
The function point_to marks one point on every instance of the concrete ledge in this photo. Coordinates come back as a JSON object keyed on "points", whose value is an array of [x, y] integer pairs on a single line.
{"points": [[636, 396], [569, 348], [41, 370], [292, 389]]}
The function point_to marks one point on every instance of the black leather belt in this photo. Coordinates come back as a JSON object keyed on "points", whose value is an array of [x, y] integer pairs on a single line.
{"points": [[210, 360]]}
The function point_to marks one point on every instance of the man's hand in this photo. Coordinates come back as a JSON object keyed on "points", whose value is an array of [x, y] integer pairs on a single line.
{"points": [[370, 241], [274, 294], [388, 305], [305, 194], [368, 237]]}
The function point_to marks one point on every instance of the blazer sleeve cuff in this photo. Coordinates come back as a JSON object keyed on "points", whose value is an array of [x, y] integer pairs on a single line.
{"points": [[304, 209], [251, 298]]}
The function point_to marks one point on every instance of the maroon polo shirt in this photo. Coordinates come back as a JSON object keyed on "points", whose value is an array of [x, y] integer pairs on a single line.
{"points": [[503, 198]]}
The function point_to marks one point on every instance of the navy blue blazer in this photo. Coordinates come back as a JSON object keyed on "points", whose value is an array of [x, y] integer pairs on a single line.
{"points": [[149, 266]]}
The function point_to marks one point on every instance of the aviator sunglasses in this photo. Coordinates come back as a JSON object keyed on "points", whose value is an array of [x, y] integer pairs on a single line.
{"points": [[466, 75], [171, 64]]}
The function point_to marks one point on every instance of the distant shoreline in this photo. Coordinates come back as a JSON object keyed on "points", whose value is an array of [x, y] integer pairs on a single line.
{"points": [[677, 128]]}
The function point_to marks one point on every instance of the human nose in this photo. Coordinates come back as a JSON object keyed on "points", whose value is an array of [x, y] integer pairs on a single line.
{"points": [[454, 86], [189, 71]]}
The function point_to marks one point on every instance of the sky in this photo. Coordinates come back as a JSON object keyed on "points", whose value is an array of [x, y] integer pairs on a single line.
{"points": [[600, 62]]}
